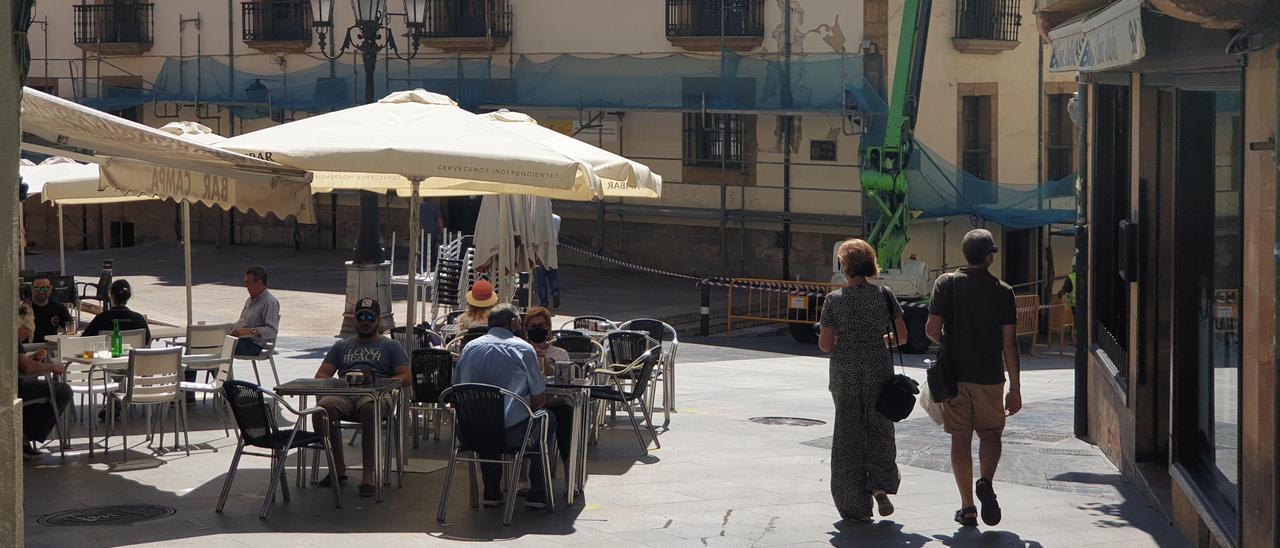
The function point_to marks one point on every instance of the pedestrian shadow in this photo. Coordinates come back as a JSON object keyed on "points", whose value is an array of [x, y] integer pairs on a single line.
{"points": [[886, 533], [971, 536]]}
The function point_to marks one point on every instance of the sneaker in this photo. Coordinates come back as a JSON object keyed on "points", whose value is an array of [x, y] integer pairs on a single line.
{"points": [[987, 496], [536, 501], [29, 451]]}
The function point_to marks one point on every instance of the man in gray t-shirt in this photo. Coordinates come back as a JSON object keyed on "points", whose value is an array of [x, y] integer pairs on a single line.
{"points": [[370, 351]]}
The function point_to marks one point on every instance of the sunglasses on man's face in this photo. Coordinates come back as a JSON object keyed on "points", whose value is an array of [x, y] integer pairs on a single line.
{"points": [[366, 317], [42, 289]]}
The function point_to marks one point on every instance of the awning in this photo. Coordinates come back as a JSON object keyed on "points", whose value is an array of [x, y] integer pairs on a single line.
{"points": [[142, 160], [1105, 39]]}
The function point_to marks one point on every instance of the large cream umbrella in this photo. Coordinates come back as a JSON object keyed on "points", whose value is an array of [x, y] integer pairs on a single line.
{"points": [[619, 177], [62, 181], [412, 142]]}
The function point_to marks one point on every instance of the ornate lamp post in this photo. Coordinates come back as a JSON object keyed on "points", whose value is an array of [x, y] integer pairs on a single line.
{"points": [[370, 36], [367, 274]]}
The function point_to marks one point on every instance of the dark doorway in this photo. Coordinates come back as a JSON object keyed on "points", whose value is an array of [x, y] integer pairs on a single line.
{"points": [[121, 234], [1019, 257]]}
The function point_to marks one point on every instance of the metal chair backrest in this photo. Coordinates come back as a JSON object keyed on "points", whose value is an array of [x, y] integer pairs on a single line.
{"points": [[658, 329], [624, 347], [135, 338], [650, 362], [480, 414], [423, 337], [561, 333], [591, 323], [224, 369], [64, 290], [206, 339], [253, 416], [104, 283], [432, 373], [576, 344], [471, 335], [154, 374]]}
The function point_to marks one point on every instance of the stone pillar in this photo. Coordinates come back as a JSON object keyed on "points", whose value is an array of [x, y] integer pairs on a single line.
{"points": [[11, 515]]}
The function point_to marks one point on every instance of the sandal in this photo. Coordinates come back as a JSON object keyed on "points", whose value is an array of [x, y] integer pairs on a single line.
{"points": [[967, 516], [367, 490], [328, 480], [987, 496]]}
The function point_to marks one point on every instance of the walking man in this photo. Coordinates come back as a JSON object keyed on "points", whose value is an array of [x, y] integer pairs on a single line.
{"points": [[976, 311]]}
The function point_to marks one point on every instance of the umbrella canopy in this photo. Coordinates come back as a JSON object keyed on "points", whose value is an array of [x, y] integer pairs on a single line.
{"points": [[620, 177], [422, 136], [67, 182], [146, 161], [56, 169], [501, 220]]}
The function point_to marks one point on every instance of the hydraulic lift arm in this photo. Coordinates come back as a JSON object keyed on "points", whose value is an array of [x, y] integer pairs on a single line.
{"points": [[883, 169]]}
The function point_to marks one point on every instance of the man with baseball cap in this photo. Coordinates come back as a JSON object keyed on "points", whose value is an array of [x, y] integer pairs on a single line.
{"points": [[375, 355], [976, 310]]}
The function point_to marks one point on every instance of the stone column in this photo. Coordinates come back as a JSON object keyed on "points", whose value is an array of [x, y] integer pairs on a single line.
{"points": [[11, 515]]}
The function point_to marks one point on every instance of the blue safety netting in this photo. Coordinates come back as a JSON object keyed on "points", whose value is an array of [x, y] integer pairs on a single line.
{"points": [[811, 83]]}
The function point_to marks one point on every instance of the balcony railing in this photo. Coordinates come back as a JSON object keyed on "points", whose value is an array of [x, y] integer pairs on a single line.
{"points": [[277, 20], [708, 18], [468, 19], [115, 23], [988, 20]]}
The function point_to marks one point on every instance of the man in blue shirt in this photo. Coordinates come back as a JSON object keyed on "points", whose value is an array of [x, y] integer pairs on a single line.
{"points": [[503, 359], [374, 354]]}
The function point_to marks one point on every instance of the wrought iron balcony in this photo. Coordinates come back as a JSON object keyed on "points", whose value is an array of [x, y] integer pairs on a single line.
{"points": [[115, 28], [707, 24], [277, 24], [987, 26], [467, 25]]}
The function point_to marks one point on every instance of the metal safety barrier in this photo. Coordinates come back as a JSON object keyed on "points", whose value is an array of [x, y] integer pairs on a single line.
{"points": [[776, 301]]}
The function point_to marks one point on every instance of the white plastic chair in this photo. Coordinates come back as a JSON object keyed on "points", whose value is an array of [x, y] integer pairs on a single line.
{"points": [[221, 369], [153, 381], [85, 381], [135, 338], [268, 354]]}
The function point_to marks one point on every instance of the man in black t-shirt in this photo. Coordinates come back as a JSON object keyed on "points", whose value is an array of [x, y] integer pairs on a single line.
{"points": [[976, 310], [51, 318]]}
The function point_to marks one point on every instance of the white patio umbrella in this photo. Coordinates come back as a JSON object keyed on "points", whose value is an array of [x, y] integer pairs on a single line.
{"points": [[35, 175], [412, 142], [619, 177], [62, 181]]}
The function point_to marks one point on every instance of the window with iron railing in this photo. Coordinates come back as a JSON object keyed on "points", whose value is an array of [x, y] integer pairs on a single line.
{"points": [[977, 126], [276, 20], [468, 19], [713, 140], [988, 19], [114, 23], [705, 18]]}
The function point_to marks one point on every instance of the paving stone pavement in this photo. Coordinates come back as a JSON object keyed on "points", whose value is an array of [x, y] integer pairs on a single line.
{"points": [[718, 480]]}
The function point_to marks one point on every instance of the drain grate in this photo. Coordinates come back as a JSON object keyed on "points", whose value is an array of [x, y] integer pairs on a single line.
{"points": [[123, 514], [1066, 452], [786, 421]]}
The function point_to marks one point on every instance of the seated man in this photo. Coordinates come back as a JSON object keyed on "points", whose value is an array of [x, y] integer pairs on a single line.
{"points": [[37, 420], [369, 351], [51, 318], [503, 359], [260, 319]]}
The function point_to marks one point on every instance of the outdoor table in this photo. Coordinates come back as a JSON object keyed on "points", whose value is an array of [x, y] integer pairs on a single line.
{"points": [[380, 389], [580, 395]]}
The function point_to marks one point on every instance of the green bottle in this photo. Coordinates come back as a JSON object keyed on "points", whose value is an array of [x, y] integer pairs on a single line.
{"points": [[117, 343]]}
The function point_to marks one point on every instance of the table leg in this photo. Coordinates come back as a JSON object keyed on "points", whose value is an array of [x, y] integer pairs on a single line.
{"points": [[377, 450], [571, 479], [584, 429]]}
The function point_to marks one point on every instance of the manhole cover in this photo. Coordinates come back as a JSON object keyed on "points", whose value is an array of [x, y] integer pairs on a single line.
{"points": [[786, 421], [107, 515]]}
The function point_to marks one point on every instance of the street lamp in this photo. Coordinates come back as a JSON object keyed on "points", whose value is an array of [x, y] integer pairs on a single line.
{"points": [[370, 36]]}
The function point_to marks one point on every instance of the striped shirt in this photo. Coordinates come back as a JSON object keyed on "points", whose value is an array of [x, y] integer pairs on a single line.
{"points": [[261, 313]]}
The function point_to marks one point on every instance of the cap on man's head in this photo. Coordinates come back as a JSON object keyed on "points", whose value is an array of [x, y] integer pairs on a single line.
{"points": [[370, 305], [978, 244]]}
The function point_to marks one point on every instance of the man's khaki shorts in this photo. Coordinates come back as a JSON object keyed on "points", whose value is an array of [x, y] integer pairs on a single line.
{"points": [[347, 407], [976, 408]]}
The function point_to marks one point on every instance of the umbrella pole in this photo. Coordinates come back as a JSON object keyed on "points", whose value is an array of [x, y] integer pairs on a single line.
{"points": [[62, 247], [414, 220], [22, 240], [186, 251]]}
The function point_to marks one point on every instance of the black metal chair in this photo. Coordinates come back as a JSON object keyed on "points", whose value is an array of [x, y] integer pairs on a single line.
{"points": [[583, 351], [255, 419], [479, 428], [557, 333], [640, 372], [423, 337], [432, 374], [665, 376], [96, 292], [590, 323]]}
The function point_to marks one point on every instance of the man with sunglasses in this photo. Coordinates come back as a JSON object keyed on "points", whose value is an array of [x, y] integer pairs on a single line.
{"points": [[51, 318], [371, 353]]}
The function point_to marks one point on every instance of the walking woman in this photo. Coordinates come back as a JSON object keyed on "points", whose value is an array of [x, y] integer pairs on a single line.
{"points": [[854, 323]]}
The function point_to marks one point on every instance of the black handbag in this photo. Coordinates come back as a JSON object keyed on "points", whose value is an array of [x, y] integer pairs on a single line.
{"points": [[898, 397], [940, 376]]}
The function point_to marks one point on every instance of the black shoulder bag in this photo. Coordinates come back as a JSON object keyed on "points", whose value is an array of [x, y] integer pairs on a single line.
{"points": [[898, 397], [940, 376]]}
